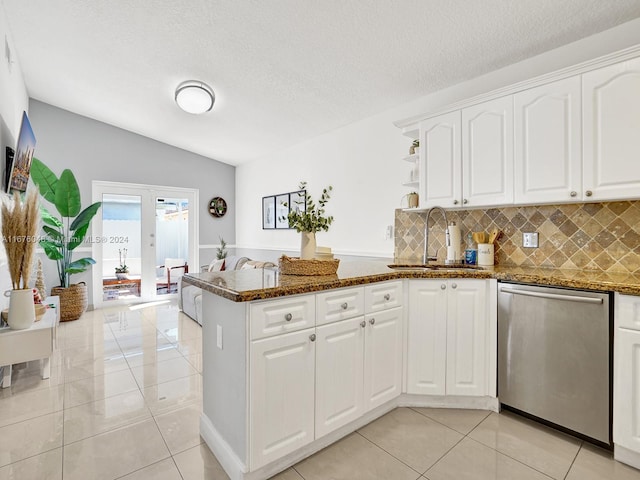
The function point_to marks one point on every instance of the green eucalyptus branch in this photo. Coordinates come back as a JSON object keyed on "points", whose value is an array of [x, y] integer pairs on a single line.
{"points": [[313, 218]]}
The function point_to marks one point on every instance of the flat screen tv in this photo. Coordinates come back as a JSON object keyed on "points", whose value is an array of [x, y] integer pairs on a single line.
{"points": [[22, 158]]}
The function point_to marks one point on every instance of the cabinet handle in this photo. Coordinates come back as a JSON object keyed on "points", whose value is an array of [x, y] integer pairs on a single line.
{"points": [[344, 306], [574, 193], [312, 337], [363, 324], [443, 287], [288, 317], [387, 297], [465, 201], [372, 321], [455, 202], [454, 286], [588, 193]]}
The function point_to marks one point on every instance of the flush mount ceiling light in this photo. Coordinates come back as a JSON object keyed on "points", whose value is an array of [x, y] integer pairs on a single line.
{"points": [[195, 97]]}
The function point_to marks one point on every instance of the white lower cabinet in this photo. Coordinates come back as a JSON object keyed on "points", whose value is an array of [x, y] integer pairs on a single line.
{"points": [[358, 367], [450, 336], [382, 357], [282, 395], [626, 383], [339, 373], [308, 383]]}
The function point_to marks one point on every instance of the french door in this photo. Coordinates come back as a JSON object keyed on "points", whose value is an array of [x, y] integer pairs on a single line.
{"points": [[139, 232]]}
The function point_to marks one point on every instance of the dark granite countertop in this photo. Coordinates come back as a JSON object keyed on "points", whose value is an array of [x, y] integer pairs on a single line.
{"points": [[258, 284]]}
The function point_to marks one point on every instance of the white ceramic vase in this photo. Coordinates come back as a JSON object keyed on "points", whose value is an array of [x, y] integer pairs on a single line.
{"points": [[22, 313], [307, 245]]}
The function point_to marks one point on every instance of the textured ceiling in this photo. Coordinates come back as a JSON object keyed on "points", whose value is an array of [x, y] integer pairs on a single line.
{"points": [[283, 70]]}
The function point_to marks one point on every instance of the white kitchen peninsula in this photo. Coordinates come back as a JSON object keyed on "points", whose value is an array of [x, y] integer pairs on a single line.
{"points": [[292, 364]]}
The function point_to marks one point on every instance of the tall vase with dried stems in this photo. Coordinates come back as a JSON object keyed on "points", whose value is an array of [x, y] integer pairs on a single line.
{"points": [[19, 229]]}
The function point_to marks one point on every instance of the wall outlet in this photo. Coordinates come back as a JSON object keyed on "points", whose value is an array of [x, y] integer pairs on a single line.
{"points": [[530, 240], [388, 234], [219, 336]]}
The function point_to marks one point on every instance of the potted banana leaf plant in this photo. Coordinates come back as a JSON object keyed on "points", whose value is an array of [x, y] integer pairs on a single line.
{"points": [[64, 233]]}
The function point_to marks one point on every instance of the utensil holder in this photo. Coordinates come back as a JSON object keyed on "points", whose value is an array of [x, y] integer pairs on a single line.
{"points": [[485, 254]]}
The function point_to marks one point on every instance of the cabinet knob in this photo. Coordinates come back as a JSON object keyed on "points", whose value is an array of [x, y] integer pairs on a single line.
{"points": [[454, 286], [588, 193], [372, 321], [455, 202], [387, 297], [443, 287], [344, 306], [465, 201], [288, 317], [312, 337], [363, 324], [574, 193]]}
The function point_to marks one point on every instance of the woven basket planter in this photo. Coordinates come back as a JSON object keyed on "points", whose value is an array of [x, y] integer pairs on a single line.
{"points": [[73, 301], [296, 266]]}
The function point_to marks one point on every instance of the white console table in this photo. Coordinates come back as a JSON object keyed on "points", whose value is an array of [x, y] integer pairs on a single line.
{"points": [[34, 343]]}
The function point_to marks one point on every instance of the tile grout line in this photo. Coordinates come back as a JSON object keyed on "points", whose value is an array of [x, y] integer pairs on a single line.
{"points": [[574, 460]]}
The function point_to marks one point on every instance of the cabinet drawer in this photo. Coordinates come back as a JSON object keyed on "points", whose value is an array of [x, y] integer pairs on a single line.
{"points": [[339, 305], [382, 296], [628, 311], [274, 317]]}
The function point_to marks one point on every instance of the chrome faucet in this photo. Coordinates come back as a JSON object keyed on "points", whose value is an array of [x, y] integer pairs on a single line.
{"points": [[426, 258]]}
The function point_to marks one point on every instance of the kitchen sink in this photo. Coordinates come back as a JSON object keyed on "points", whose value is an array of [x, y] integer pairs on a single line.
{"points": [[439, 267]]}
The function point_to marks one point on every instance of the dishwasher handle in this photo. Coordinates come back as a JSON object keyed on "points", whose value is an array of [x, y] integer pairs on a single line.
{"points": [[553, 296]]}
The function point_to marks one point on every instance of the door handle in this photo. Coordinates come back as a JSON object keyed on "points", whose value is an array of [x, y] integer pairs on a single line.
{"points": [[552, 296]]}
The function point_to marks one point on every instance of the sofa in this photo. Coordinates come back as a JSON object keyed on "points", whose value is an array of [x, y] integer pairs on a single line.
{"points": [[190, 296]]}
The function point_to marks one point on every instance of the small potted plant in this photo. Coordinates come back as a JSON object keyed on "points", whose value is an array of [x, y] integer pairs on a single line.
{"points": [[122, 271], [414, 147], [310, 220]]}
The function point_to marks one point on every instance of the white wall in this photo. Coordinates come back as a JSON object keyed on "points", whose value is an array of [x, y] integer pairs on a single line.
{"points": [[363, 160], [13, 101]]}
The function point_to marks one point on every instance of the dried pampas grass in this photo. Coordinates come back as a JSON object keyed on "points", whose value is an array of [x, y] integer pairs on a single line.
{"points": [[19, 229]]}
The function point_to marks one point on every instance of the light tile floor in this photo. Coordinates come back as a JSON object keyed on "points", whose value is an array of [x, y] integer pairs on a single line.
{"points": [[125, 396]]}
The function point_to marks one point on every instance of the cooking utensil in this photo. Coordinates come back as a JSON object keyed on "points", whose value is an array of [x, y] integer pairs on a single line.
{"points": [[493, 235], [479, 237]]}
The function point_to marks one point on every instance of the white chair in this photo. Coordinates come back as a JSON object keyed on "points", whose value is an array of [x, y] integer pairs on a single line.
{"points": [[172, 270]]}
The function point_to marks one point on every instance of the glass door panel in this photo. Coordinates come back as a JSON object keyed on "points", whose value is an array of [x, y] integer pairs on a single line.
{"points": [[121, 247], [172, 242]]}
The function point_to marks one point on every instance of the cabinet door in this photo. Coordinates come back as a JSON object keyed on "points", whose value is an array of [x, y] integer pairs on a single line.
{"points": [[467, 338], [626, 400], [339, 372], [487, 153], [611, 122], [548, 143], [440, 167], [281, 405], [382, 357], [427, 337]]}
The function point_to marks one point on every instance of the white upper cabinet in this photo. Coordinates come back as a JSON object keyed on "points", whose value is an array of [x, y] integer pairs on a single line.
{"points": [[611, 110], [487, 153], [440, 166], [547, 137]]}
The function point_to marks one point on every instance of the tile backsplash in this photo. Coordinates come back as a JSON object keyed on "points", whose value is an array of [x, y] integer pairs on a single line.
{"points": [[592, 236]]}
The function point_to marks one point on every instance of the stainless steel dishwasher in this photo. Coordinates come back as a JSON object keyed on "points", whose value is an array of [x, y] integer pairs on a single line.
{"points": [[554, 352]]}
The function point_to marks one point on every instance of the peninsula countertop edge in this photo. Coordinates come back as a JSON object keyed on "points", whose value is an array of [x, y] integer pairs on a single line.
{"points": [[261, 284]]}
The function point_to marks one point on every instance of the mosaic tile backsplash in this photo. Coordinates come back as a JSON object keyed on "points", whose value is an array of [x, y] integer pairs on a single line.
{"points": [[591, 236]]}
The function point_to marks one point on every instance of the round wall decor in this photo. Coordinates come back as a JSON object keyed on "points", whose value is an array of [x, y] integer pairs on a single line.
{"points": [[217, 207]]}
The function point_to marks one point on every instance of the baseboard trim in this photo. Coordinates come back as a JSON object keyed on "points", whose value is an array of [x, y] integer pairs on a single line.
{"points": [[624, 455], [231, 463]]}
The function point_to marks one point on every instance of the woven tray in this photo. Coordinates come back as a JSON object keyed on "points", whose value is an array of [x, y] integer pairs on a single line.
{"points": [[296, 266]]}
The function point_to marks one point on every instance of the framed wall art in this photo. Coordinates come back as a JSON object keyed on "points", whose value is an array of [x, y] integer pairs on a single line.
{"points": [[268, 212]]}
